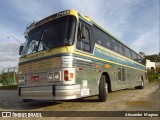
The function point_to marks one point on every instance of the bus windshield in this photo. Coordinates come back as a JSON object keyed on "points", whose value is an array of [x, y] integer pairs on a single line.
{"points": [[59, 32]]}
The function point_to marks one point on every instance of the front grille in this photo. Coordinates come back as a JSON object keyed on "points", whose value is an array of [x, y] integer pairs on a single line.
{"points": [[40, 66]]}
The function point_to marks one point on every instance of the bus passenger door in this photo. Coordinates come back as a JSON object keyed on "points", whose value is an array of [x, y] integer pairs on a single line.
{"points": [[121, 82], [121, 74]]}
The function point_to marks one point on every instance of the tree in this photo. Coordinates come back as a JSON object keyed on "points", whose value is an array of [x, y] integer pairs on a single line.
{"points": [[141, 53]]}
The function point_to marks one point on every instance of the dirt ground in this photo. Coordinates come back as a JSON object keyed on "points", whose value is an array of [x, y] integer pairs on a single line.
{"points": [[147, 99]]}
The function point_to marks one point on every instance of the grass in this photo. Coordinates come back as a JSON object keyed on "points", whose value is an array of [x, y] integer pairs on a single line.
{"points": [[10, 87]]}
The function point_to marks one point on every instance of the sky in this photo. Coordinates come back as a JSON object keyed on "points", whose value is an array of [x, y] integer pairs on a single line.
{"points": [[134, 22]]}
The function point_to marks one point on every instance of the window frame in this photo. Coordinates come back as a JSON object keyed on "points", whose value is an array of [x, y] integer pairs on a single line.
{"points": [[135, 55], [107, 37], [83, 41], [41, 29], [129, 51], [118, 45]]}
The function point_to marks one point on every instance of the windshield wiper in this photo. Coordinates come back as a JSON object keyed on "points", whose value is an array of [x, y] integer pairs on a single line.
{"points": [[43, 43]]}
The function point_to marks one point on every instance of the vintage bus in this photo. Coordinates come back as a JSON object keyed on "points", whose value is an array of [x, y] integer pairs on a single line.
{"points": [[69, 56]]}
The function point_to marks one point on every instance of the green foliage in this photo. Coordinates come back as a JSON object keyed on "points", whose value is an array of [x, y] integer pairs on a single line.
{"points": [[154, 76], [153, 58], [7, 79], [1, 78]]}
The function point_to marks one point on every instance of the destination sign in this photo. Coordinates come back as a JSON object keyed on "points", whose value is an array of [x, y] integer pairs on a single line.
{"points": [[52, 17]]}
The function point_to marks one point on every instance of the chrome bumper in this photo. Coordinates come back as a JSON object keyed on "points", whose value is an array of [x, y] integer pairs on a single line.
{"points": [[50, 92]]}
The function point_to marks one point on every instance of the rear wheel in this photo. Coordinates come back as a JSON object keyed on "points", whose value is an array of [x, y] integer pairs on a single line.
{"points": [[26, 100], [103, 89], [141, 86]]}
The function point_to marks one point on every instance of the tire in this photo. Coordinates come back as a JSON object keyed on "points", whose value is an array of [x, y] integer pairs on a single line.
{"points": [[141, 86], [26, 100], [102, 96]]}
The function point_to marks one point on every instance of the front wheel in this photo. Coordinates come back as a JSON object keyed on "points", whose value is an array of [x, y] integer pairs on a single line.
{"points": [[102, 89]]}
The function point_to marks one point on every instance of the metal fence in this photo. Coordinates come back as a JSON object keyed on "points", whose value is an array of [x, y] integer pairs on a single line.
{"points": [[9, 75]]}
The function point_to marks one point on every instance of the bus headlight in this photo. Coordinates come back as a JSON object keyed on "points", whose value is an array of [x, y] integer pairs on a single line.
{"points": [[56, 75], [50, 76], [21, 80]]}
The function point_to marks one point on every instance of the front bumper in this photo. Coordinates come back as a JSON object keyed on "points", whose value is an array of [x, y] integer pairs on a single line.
{"points": [[54, 92]]}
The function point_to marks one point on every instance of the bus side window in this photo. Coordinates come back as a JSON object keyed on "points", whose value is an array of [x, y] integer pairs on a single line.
{"points": [[134, 56], [84, 43], [140, 59], [117, 46], [127, 52], [102, 37]]}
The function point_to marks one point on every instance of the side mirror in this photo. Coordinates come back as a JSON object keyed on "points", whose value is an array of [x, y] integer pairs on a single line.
{"points": [[20, 49], [83, 32]]}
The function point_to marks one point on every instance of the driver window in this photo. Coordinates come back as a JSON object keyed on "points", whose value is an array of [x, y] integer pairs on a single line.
{"points": [[84, 43]]}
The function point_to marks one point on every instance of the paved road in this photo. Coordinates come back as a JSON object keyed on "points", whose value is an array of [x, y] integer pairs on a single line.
{"points": [[131, 99]]}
